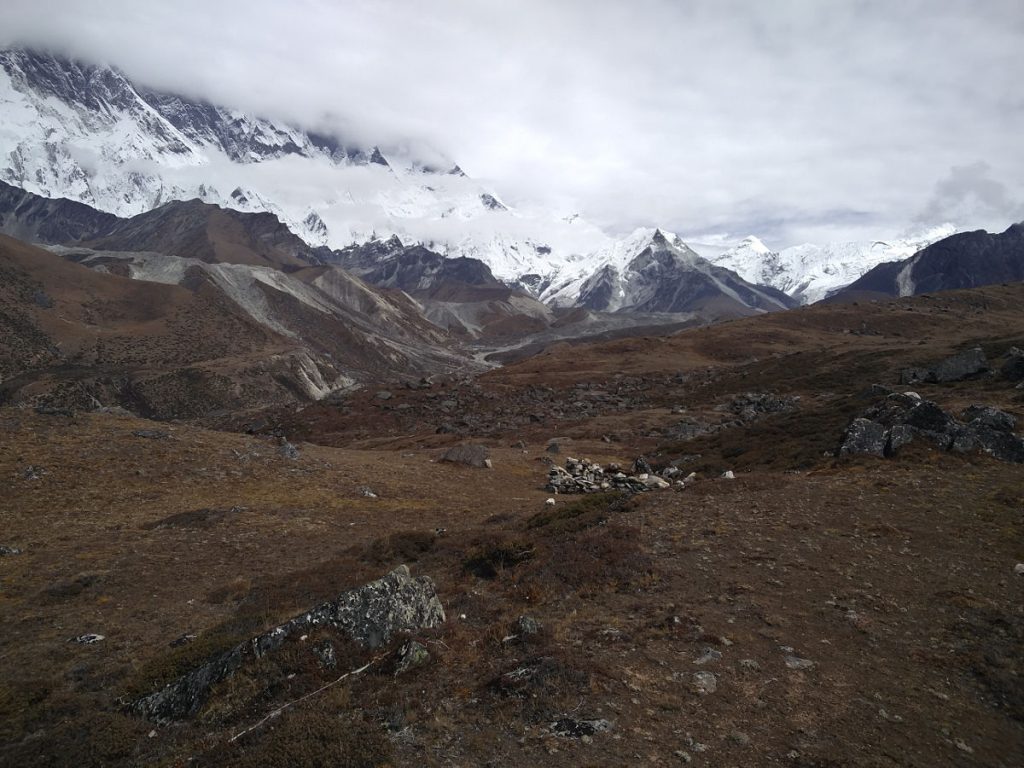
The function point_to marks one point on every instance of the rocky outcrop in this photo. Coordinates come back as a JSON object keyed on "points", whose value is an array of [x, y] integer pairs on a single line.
{"points": [[904, 418], [956, 368], [370, 615]]}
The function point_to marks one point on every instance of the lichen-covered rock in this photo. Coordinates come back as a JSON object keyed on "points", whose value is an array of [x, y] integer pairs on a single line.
{"points": [[370, 615], [864, 436]]}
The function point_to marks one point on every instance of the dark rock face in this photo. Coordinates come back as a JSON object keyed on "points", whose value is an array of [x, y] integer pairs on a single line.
{"points": [[413, 269], [38, 219], [370, 615], [902, 418], [956, 368], [469, 455], [963, 260]]}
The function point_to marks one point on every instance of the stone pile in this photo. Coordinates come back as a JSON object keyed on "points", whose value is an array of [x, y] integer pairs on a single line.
{"points": [[585, 476]]}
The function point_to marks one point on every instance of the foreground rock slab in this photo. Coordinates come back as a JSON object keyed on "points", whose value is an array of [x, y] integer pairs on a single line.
{"points": [[370, 615]]}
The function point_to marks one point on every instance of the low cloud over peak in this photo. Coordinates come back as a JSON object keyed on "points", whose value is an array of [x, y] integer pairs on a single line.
{"points": [[698, 117]]}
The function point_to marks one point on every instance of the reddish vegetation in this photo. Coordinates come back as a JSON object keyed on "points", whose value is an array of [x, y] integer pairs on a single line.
{"points": [[853, 611]]}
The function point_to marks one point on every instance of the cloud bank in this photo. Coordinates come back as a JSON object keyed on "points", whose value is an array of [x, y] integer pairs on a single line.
{"points": [[794, 120]]}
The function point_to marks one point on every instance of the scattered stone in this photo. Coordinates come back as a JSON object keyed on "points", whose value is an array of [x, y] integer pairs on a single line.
{"points": [[549, 502], [151, 434], [655, 483], [526, 626], [750, 405], [553, 448], [182, 640], [1019, 569], [370, 615], [468, 455], [728, 475], [87, 639], [383, 395], [288, 450], [570, 728], [739, 738], [709, 655], [519, 445], [750, 664], [705, 683], [955, 368], [410, 656], [367, 492], [33, 472], [5, 551], [795, 662]]}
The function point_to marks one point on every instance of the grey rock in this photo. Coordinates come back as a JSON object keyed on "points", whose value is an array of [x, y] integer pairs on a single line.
{"points": [[288, 450], [383, 395], [553, 448], [370, 615], [795, 662], [705, 682], [899, 435], [709, 655], [151, 434], [986, 417], [739, 738], [90, 638], [5, 551], [468, 455]]}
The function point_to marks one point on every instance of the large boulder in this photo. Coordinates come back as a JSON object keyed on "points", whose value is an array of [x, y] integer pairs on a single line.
{"points": [[370, 615], [991, 431], [960, 366], [469, 455], [1013, 368]]}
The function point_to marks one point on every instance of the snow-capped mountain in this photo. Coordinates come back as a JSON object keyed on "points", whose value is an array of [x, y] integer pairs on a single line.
{"points": [[655, 271], [810, 272], [88, 133]]}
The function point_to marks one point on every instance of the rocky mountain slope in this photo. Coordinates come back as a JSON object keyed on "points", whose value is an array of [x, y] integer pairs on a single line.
{"points": [[652, 271], [963, 260], [175, 337], [810, 272]]}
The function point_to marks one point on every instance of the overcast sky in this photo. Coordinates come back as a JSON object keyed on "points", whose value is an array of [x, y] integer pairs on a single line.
{"points": [[793, 120]]}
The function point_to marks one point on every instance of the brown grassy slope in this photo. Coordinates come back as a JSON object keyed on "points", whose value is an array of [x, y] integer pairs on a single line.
{"points": [[897, 329], [103, 319]]}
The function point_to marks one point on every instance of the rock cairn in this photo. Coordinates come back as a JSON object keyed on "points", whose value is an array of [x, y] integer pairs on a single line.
{"points": [[585, 476]]}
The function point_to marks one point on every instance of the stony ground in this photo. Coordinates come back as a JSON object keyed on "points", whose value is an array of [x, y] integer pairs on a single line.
{"points": [[813, 611]]}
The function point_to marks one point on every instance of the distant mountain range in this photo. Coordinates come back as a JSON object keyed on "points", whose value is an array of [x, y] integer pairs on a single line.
{"points": [[86, 132]]}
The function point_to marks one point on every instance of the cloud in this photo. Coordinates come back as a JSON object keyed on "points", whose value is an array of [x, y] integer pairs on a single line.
{"points": [[969, 193], [693, 116]]}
